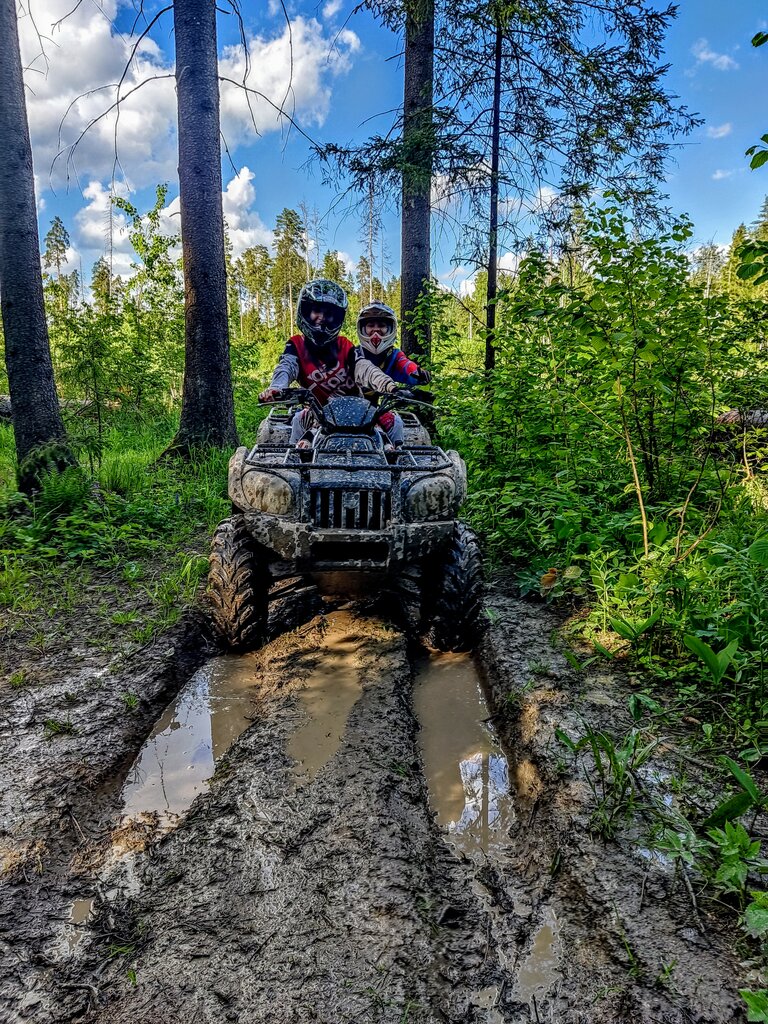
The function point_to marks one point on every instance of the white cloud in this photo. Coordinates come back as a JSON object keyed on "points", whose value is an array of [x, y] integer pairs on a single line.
{"points": [[721, 175], [704, 55], [92, 223], [349, 264], [509, 261], [86, 56], [244, 225], [305, 93], [453, 273], [332, 8], [467, 286], [92, 229], [719, 131]]}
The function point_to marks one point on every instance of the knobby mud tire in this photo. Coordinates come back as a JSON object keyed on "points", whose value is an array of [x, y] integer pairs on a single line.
{"points": [[458, 588], [238, 586], [409, 597]]}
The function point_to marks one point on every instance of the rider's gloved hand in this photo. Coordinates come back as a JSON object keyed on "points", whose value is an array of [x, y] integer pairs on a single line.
{"points": [[269, 394], [423, 376]]}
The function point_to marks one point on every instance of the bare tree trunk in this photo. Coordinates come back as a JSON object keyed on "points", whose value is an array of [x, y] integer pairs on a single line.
{"points": [[493, 234], [207, 407], [418, 144], [37, 422]]}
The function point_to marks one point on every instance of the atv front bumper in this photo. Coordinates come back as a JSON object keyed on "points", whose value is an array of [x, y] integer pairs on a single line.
{"points": [[315, 549]]}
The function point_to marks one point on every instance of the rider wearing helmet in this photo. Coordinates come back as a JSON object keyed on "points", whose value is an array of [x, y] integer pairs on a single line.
{"points": [[320, 358], [377, 334]]}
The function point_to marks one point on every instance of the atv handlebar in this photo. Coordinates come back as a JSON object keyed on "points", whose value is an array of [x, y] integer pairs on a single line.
{"points": [[403, 396]]}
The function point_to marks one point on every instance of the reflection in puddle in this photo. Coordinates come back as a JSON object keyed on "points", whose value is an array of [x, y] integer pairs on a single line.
{"points": [[539, 973], [79, 913], [328, 695], [467, 773], [191, 735]]}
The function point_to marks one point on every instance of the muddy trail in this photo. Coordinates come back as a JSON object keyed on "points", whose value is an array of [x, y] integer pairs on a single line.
{"points": [[339, 828]]}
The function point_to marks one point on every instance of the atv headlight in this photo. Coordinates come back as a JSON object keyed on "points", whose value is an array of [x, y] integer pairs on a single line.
{"points": [[431, 498], [265, 492]]}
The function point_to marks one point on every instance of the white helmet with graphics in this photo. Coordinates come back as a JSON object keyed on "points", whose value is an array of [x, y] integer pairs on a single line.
{"points": [[377, 327]]}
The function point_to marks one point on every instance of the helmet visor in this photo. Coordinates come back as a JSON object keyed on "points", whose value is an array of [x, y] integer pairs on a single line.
{"points": [[323, 316]]}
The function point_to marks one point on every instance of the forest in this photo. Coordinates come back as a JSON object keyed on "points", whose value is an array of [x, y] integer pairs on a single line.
{"points": [[608, 391]]}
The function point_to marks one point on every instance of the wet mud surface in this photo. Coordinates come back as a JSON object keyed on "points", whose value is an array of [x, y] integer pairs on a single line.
{"points": [[338, 828]]}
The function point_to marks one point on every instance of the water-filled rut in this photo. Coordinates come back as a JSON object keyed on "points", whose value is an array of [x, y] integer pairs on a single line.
{"points": [[332, 829]]}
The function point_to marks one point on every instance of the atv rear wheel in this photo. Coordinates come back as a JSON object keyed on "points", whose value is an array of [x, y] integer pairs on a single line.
{"points": [[458, 593], [238, 585]]}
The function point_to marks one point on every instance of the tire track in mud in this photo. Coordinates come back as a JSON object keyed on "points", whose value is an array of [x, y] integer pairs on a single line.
{"points": [[285, 898], [329, 893]]}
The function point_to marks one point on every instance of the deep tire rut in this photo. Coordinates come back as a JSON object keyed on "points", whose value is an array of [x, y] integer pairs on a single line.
{"points": [[335, 897], [335, 901]]}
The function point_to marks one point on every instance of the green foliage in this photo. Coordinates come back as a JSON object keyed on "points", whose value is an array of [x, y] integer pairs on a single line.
{"points": [[611, 773], [593, 457], [717, 664], [734, 853], [757, 1004]]}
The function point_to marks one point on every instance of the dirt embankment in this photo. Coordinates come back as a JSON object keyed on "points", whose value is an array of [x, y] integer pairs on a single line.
{"points": [[311, 881]]}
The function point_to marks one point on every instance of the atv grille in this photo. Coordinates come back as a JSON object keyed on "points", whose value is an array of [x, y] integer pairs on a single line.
{"points": [[335, 508]]}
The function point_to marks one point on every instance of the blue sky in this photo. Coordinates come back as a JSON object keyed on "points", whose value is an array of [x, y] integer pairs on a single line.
{"points": [[346, 71]]}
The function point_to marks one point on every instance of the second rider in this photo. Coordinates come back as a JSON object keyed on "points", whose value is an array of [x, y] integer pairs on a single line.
{"points": [[321, 359]]}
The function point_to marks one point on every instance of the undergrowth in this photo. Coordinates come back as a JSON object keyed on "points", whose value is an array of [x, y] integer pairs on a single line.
{"points": [[128, 540]]}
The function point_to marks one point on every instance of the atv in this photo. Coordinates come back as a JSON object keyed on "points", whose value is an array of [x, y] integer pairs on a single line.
{"points": [[347, 509]]}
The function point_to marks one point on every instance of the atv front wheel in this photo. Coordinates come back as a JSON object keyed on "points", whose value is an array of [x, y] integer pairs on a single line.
{"points": [[458, 592], [238, 585]]}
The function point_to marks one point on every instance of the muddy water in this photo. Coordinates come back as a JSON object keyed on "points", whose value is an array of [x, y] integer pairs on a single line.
{"points": [[191, 735], [540, 971], [466, 770], [328, 695], [79, 912]]}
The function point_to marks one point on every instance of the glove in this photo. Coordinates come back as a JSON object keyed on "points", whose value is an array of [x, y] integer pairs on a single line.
{"points": [[269, 394], [423, 376]]}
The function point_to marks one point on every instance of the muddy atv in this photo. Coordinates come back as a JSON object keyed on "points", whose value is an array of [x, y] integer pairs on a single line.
{"points": [[343, 513]]}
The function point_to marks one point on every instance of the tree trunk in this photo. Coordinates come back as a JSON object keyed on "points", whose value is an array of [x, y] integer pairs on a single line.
{"points": [[207, 407], [418, 146], [37, 424], [493, 234]]}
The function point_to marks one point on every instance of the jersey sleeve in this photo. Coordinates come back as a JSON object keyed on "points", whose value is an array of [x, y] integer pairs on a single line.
{"points": [[402, 369], [369, 376], [287, 369]]}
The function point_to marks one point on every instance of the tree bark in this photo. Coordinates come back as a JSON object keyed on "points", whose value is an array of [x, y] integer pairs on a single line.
{"points": [[37, 422], [207, 407], [418, 148], [493, 233]]}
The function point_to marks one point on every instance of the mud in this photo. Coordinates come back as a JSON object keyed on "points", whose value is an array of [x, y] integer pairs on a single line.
{"points": [[350, 831]]}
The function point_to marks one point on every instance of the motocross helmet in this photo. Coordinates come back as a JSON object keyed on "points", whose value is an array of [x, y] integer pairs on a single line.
{"points": [[331, 299], [381, 340]]}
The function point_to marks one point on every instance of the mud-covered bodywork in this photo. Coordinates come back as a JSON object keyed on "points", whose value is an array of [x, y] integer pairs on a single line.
{"points": [[346, 503], [344, 510]]}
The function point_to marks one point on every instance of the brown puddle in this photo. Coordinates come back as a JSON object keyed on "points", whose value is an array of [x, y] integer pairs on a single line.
{"points": [[79, 912], [191, 735], [328, 695], [466, 770], [539, 972]]}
